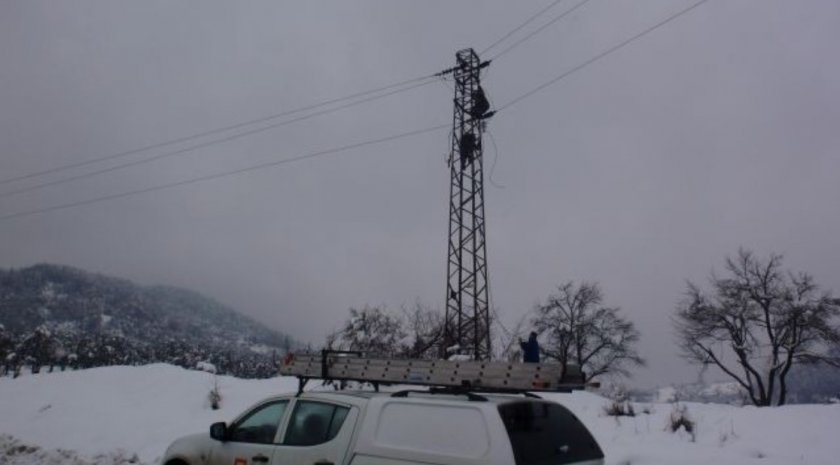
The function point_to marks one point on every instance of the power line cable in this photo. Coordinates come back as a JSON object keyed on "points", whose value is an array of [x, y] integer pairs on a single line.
{"points": [[212, 131], [601, 55], [495, 159], [206, 144], [203, 178], [223, 174], [540, 29], [518, 28]]}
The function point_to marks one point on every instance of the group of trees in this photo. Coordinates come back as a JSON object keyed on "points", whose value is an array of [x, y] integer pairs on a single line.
{"points": [[45, 349], [574, 326], [756, 324]]}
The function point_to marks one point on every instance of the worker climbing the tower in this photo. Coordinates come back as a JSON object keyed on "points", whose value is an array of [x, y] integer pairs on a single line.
{"points": [[480, 104], [530, 349], [467, 147]]}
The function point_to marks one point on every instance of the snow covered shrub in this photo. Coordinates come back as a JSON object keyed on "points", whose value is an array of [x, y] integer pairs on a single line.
{"points": [[215, 398], [681, 419], [620, 405], [215, 395], [620, 409]]}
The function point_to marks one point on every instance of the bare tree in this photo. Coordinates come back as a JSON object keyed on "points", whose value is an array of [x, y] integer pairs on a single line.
{"points": [[424, 328], [508, 341], [758, 322], [575, 327], [371, 330]]}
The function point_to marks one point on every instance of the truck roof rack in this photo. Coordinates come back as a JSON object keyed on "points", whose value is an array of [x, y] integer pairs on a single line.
{"points": [[475, 376], [471, 396]]}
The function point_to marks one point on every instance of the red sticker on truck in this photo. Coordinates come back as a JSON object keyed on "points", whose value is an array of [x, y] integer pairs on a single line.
{"points": [[239, 461]]}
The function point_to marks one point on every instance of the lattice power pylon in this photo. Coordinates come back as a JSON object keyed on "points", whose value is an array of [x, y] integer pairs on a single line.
{"points": [[467, 323]]}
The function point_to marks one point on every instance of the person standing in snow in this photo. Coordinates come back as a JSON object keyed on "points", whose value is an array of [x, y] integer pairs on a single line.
{"points": [[530, 349]]}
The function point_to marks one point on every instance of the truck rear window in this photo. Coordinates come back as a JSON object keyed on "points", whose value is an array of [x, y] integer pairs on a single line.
{"points": [[543, 433]]}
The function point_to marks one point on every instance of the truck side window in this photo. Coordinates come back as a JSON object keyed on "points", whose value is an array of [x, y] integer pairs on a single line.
{"points": [[260, 425], [547, 434], [314, 423]]}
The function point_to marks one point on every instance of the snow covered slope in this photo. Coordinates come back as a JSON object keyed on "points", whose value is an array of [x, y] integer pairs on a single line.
{"points": [[117, 412], [138, 409]]}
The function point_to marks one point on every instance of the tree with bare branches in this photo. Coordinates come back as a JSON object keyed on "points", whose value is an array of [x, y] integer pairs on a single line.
{"points": [[424, 327], [508, 341], [757, 323], [416, 332], [371, 330], [575, 327]]}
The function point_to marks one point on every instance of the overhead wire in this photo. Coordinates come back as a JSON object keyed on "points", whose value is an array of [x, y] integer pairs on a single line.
{"points": [[564, 75], [540, 29], [602, 55], [423, 81], [518, 28], [211, 132], [314, 154], [212, 142], [495, 159], [223, 174], [252, 121]]}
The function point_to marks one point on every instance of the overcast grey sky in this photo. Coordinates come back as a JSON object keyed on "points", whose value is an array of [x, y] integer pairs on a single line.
{"points": [[645, 169]]}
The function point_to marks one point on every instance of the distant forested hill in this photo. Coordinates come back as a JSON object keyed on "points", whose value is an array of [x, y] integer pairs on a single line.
{"points": [[54, 315]]}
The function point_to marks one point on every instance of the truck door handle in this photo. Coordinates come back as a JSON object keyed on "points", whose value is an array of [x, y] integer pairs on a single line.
{"points": [[259, 458], [323, 462]]}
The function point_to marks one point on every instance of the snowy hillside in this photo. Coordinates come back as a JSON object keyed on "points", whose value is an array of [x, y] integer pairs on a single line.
{"points": [[53, 315], [107, 415]]}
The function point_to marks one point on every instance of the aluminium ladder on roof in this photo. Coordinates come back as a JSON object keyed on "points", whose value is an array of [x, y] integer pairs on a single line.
{"points": [[472, 375]]}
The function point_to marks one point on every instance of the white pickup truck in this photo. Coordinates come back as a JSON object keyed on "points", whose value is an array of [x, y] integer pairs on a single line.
{"points": [[401, 428]]}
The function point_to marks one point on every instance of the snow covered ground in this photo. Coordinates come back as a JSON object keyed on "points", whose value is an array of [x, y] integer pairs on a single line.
{"points": [[117, 415]]}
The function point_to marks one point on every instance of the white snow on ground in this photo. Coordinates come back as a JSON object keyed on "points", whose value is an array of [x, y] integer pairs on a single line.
{"points": [[725, 434], [104, 416], [137, 409]]}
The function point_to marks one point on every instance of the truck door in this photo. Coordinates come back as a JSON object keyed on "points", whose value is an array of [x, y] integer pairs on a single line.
{"points": [[317, 432], [252, 439]]}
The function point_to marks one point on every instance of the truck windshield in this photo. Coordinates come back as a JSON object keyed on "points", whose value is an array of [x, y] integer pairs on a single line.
{"points": [[543, 433]]}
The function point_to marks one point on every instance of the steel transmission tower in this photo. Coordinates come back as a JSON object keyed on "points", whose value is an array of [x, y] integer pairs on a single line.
{"points": [[467, 321]]}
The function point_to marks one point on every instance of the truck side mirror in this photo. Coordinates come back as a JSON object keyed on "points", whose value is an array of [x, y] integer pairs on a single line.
{"points": [[218, 431]]}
